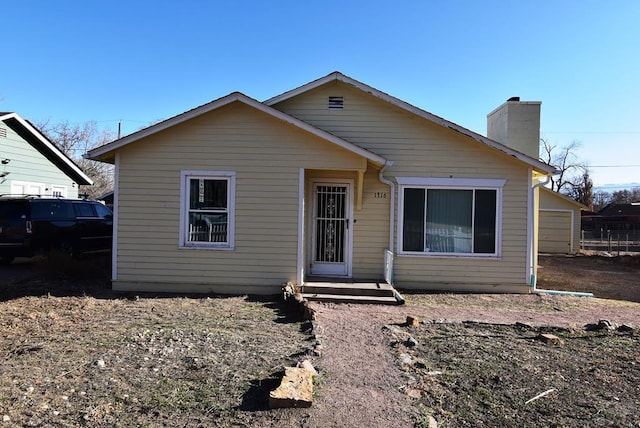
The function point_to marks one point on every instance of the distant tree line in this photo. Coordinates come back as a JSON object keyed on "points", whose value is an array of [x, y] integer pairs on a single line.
{"points": [[602, 198], [574, 181], [77, 139]]}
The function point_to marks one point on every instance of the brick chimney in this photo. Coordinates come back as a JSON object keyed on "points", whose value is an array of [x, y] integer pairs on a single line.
{"points": [[516, 124]]}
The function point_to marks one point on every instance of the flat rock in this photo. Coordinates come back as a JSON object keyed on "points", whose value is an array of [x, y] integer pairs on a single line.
{"points": [[625, 328], [432, 422], [551, 339], [603, 325], [406, 359], [412, 322], [306, 364], [413, 393], [295, 390]]}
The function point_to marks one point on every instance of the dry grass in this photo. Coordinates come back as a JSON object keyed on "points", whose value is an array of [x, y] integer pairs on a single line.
{"points": [[606, 277], [100, 359], [470, 374]]}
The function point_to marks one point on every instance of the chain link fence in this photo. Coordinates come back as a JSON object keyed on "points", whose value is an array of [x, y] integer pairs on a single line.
{"points": [[612, 241]]}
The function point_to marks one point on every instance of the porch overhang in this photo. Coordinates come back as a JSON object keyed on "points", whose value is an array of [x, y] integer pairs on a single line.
{"points": [[359, 178]]}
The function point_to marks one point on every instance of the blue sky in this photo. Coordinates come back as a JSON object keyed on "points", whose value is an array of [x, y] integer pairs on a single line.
{"points": [[142, 61]]}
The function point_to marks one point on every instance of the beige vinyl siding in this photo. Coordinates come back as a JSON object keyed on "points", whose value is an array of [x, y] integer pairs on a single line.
{"points": [[556, 216], [555, 232], [419, 148], [265, 154], [371, 230], [508, 269]]}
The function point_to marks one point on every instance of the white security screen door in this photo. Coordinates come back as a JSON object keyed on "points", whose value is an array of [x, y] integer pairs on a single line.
{"points": [[331, 247]]}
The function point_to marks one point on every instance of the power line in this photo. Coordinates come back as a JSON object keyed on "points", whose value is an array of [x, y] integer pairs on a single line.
{"points": [[119, 120], [613, 166], [607, 187], [590, 132]]}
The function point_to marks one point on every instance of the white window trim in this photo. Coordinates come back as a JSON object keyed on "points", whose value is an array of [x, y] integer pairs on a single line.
{"points": [[61, 189], [185, 176], [444, 183], [25, 184], [457, 184]]}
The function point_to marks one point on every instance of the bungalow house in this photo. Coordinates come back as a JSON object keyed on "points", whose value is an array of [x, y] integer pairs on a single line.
{"points": [[333, 179], [30, 164]]}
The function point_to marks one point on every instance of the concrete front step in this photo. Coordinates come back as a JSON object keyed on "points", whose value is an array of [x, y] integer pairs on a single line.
{"points": [[369, 292], [355, 289], [346, 298]]}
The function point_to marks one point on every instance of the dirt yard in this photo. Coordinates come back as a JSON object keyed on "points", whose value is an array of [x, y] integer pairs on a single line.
{"points": [[73, 353], [606, 277]]}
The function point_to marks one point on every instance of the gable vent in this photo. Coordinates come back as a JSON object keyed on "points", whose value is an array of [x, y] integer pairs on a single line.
{"points": [[3, 132], [336, 103]]}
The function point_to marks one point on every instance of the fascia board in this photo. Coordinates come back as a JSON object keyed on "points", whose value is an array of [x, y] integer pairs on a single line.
{"points": [[236, 96], [57, 153], [337, 76], [564, 198]]}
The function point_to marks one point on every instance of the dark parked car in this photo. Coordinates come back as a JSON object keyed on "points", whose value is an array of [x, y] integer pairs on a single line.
{"points": [[30, 225]]}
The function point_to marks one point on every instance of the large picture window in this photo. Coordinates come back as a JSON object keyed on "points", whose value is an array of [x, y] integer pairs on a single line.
{"points": [[208, 207], [450, 217]]}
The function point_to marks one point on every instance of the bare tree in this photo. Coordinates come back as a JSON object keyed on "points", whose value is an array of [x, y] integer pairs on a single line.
{"points": [[72, 139], [75, 140], [601, 198], [626, 196], [582, 191], [567, 162], [102, 176]]}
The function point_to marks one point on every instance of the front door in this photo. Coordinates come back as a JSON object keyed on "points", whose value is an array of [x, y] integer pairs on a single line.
{"points": [[332, 235]]}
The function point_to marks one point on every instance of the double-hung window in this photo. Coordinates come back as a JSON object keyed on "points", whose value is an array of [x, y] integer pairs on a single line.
{"points": [[207, 214], [450, 216]]}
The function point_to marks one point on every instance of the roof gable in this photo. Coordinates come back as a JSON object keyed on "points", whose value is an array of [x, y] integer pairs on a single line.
{"points": [[563, 198], [42, 144], [103, 152], [337, 76]]}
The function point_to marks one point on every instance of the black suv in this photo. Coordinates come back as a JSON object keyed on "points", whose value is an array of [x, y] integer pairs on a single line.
{"points": [[30, 225]]}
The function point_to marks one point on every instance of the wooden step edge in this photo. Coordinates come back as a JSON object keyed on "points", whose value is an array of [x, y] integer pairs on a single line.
{"points": [[348, 291], [345, 298]]}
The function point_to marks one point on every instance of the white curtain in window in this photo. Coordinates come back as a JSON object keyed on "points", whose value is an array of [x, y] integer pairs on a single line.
{"points": [[449, 221]]}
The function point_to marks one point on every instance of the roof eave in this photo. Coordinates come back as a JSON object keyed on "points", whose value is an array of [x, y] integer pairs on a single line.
{"points": [[337, 76], [106, 151], [565, 198], [13, 120]]}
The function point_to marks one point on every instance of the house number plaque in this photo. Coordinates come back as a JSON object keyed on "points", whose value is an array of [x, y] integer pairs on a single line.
{"points": [[201, 191], [380, 195]]}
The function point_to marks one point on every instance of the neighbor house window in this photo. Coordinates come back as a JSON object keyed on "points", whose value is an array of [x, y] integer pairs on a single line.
{"points": [[207, 215], [450, 216], [58, 191]]}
